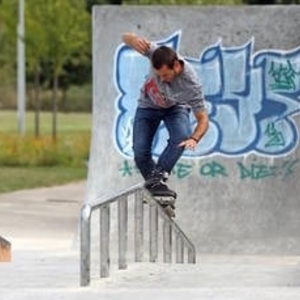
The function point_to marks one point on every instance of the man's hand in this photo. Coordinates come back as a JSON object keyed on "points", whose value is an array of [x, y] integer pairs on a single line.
{"points": [[141, 45], [200, 130], [190, 144], [138, 43]]}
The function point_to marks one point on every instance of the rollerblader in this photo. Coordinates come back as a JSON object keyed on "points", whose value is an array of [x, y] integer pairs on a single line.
{"points": [[171, 90]]}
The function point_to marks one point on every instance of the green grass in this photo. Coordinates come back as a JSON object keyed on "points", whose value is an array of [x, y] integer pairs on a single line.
{"points": [[27, 177], [18, 178], [66, 122]]}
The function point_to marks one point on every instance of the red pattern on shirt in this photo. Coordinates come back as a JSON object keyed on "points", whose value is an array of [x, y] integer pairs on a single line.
{"points": [[154, 93]]}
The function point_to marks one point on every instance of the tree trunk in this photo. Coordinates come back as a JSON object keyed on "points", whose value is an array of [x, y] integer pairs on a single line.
{"points": [[54, 106], [37, 101]]}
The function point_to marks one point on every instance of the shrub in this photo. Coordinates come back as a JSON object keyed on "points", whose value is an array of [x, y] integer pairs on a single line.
{"points": [[70, 150]]}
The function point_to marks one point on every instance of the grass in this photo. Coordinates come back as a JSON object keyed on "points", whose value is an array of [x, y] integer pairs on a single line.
{"points": [[66, 122], [19, 178], [14, 178]]}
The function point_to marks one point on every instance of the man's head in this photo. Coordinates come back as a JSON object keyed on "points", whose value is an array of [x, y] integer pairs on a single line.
{"points": [[165, 63]]}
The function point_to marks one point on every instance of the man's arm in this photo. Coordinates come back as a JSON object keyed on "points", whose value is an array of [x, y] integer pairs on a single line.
{"points": [[200, 130], [138, 43]]}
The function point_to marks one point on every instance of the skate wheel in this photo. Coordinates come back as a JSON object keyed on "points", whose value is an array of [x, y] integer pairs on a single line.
{"points": [[169, 211], [164, 201]]}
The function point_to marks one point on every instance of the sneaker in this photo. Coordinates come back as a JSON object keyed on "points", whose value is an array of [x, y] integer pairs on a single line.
{"points": [[156, 185], [165, 176], [159, 189]]}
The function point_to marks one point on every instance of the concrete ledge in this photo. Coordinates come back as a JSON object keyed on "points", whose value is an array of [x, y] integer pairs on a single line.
{"points": [[5, 250]]}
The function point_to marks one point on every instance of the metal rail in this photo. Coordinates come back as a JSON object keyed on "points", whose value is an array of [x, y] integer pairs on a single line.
{"points": [[140, 196]]}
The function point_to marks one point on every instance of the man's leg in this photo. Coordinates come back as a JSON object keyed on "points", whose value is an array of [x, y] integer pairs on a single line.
{"points": [[145, 124], [178, 125]]}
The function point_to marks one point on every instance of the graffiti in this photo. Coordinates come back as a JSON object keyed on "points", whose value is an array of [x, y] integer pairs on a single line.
{"points": [[252, 99], [126, 169], [256, 171], [213, 169], [276, 137], [259, 171], [182, 170], [284, 76]]}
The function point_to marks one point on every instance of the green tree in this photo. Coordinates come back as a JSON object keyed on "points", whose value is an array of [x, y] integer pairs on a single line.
{"points": [[268, 2], [185, 2], [55, 31], [36, 52], [90, 3], [66, 27], [8, 36]]}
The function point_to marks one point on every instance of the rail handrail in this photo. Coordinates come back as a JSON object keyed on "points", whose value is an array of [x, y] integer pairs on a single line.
{"points": [[103, 204]]}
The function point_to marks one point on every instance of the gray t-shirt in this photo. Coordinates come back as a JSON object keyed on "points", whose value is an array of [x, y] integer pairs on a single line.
{"points": [[185, 89]]}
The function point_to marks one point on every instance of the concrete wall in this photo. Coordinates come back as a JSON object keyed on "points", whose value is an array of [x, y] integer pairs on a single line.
{"points": [[239, 191]]}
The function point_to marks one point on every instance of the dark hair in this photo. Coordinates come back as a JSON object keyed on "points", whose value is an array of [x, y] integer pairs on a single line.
{"points": [[163, 55]]}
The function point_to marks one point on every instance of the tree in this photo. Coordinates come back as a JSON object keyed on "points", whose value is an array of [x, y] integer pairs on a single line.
{"points": [[7, 72], [268, 2], [185, 2], [90, 3], [66, 28], [55, 31], [36, 50]]}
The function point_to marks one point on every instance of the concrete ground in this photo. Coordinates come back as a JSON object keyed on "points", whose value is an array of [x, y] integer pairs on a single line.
{"points": [[42, 225]]}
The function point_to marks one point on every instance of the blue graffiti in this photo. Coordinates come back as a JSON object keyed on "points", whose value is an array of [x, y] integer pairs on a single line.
{"points": [[251, 99]]}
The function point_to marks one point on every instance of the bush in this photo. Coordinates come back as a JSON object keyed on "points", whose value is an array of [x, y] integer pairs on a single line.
{"points": [[70, 150]]}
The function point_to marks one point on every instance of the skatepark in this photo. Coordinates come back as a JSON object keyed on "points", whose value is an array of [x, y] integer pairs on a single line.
{"points": [[237, 194], [45, 260]]}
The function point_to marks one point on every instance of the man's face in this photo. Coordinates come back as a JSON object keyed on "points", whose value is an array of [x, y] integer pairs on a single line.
{"points": [[165, 73]]}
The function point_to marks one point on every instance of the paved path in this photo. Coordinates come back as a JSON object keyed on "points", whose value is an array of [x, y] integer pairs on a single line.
{"points": [[43, 217], [43, 223]]}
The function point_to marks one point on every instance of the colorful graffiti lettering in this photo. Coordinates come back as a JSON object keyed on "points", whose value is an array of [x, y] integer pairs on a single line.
{"points": [[252, 99]]}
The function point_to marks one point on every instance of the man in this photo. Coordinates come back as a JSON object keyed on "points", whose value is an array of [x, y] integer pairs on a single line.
{"points": [[170, 91]]}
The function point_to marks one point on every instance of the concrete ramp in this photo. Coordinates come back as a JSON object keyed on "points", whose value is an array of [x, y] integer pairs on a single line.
{"points": [[239, 191]]}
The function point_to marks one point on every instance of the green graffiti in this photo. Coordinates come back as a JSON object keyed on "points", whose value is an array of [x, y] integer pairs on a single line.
{"points": [[260, 171], [275, 137], [183, 170], [213, 169], [126, 169], [284, 77], [288, 167], [256, 171]]}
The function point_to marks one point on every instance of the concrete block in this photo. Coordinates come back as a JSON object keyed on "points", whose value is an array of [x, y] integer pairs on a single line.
{"points": [[5, 250]]}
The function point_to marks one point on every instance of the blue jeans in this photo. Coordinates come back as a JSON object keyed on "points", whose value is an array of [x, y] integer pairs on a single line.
{"points": [[146, 123]]}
